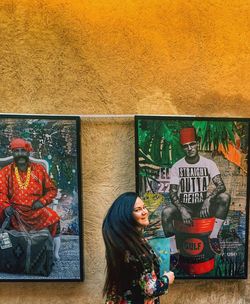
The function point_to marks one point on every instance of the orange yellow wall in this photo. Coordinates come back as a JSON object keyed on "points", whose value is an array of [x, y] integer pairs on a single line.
{"points": [[122, 57]]}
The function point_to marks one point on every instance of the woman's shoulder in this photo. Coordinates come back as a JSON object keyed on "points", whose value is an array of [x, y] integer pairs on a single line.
{"points": [[140, 262], [130, 258]]}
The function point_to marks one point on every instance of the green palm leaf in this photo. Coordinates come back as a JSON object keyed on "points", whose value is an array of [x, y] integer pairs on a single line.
{"points": [[214, 133]]}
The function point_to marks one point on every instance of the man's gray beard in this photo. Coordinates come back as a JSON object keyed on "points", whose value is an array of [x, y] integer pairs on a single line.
{"points": [[16, 159]]}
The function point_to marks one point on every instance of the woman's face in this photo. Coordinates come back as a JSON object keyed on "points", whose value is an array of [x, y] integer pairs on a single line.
{"points": [[140, 213]]}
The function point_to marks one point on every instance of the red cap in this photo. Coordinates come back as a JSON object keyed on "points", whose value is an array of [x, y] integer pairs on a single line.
{"points": [[187, 135], [21, 143]]}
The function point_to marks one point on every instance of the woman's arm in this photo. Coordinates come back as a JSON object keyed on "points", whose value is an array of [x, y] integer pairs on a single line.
{"points": [[151, 286]]}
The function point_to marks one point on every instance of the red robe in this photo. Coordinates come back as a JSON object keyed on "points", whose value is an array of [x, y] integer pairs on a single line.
{"points": [[40, 188]]}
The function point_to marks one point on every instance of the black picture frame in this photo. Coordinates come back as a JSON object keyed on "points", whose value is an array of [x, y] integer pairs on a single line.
{"points": [[56, 140], [225, 141]]}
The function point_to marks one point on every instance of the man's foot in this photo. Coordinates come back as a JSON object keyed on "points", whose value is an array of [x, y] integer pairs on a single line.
{"points": [[214, 244], [56, 258], [174, 260], [57, 244]]}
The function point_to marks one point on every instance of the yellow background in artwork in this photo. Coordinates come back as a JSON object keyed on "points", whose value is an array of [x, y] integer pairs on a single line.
{"points": [[122, 57]]}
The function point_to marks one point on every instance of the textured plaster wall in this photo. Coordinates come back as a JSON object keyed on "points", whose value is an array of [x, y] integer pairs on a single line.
{"points": [[121, 57]]}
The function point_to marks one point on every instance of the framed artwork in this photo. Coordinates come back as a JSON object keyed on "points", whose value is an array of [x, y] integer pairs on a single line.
{"points": [[193, 175], [40, 198]]}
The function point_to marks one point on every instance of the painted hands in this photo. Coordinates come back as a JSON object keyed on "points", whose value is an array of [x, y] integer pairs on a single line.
{"points": [[9, 211], [186, 216], [37, 205], [205, 208]]}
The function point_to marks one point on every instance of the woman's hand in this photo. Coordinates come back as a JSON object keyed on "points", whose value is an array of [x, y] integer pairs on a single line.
{"points": [[170, 276]]}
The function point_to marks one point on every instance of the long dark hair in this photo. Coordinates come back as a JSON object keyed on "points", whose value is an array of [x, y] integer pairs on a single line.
{"points": [[120, 233]]}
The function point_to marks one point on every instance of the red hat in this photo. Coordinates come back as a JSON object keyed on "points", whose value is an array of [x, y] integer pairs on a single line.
{"points": [[187, 135], [21, 143]]}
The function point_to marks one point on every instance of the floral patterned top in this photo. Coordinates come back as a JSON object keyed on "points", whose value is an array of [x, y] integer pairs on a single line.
{"points": [[144, 285]]}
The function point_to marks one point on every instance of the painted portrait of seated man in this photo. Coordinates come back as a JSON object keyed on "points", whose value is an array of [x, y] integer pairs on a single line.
{"points": [[190, 178], [26, 191]]}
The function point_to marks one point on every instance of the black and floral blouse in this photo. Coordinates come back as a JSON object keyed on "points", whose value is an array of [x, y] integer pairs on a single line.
{"points": [[144, 284]]}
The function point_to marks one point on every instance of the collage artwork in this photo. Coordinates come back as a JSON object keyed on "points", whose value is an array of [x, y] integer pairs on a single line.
{"points": [[192, 174]]}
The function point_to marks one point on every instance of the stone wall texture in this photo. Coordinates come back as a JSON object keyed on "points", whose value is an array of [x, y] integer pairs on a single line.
{"points": [[122, 57]]}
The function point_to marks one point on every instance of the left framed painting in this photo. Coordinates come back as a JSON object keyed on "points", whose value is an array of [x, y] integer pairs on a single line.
{"points": [[40, 198]]}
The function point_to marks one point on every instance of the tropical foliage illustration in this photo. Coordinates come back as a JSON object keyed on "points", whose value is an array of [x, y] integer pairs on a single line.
{"points": [[159, 140]]}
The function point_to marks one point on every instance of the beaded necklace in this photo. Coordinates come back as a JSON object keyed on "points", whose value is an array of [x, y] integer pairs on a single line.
{"points": [[23, 185]]}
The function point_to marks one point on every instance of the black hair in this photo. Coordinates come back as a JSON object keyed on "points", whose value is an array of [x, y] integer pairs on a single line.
{"points": [[121, 234]]}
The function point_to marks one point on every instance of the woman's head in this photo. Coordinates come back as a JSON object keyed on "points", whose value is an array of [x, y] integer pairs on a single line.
{"points": [[127, 213], [140, 213], [120, 233]]}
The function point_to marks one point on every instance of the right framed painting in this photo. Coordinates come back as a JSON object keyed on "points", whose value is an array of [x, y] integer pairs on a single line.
{"points": [[193, 175]]}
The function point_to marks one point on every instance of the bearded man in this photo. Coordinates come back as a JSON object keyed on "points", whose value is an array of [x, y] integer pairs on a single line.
{"points": [[26, 190]]}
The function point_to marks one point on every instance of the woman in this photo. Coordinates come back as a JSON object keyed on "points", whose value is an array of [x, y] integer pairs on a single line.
{"points": [[133, 274]]}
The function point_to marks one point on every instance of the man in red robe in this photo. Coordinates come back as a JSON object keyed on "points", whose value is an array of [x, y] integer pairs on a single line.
{"points": [[26, 190]]}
